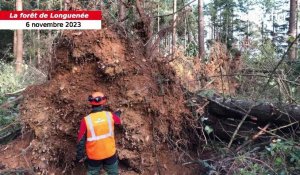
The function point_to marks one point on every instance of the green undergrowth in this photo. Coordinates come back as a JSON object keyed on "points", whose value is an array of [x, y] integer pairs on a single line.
{"points": [[278, 157], [9, 120], [11, 82], [11, 88]]}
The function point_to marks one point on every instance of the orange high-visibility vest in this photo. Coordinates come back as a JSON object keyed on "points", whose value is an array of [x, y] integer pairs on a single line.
{"points": [[100, 143]]}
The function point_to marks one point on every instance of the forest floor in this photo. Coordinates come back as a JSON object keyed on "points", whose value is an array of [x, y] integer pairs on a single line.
{"points": [[154, 118]]}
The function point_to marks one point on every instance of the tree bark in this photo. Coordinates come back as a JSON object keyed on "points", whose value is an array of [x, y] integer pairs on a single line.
{"points": [[225, 115], [19, 48], [15, 43], [260, 113], [38, 40], [147, 26], [158, 26], [146, 19], [158, 18], [121, 13], [38, 48], [201, 29], [185, 29], [224, 128], [174, 28], [189, 32], [61, 4], [170, 43], [292, 28], [66, 4]]}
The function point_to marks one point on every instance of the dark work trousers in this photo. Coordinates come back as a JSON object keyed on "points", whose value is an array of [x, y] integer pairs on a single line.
{"points": [[110, 165]]}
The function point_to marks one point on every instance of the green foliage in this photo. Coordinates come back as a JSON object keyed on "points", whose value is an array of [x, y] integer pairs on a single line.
{"points": [[9, 122], [208, 129], [266, 57], [7, 116], [209, 93], [290, 39], [279, 157], [7, 5], [11, 82], [191, 50], [268, 5], [222, 18], [283, 85], [252, 168], [285, 156], [260, 63]]}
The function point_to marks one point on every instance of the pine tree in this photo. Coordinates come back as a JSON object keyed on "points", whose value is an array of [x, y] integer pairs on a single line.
{"points": [[19, 36], [174, 27], [292, 28], [201, 29]]}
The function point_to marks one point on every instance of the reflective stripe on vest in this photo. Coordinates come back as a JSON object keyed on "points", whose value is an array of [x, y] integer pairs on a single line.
{"points": [[103, 136]]}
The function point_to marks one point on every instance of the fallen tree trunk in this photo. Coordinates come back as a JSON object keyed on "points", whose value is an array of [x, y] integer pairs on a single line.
{"points": [[224, 128], [225, 115], [260, 112]]}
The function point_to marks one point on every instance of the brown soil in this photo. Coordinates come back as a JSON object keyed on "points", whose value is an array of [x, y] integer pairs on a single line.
{"points": [[147, 92]]}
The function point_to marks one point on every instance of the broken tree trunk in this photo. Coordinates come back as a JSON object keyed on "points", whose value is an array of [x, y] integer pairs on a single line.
{"points": [[224, 128], [260, 112], [225, 115], [147, 23]]}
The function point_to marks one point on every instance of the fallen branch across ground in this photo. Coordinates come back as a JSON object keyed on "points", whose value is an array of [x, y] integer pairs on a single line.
{"points": [[17, 171], [11, 103], [15, 93], [9, 132]]}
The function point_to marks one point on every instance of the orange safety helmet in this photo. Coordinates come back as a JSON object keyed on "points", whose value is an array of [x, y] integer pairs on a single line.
{"points": [[97, 99]]}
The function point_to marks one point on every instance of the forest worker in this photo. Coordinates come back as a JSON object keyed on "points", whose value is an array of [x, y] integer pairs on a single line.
{"points": [[96, 137]]}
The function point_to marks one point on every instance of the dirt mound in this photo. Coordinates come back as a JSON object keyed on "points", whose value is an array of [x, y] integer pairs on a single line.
{"points": [[147, 92]]}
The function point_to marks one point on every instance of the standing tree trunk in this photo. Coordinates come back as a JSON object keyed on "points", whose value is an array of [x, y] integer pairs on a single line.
{"points": [[174, 28], [189, 37], [170, 43], [146, 19], [292, 28], [19, 48], [100, 4], [67, 2], [158, 27], [61, 4], [185, 29], [121, 13], [147, 26], [38, 41], [38, 48], [201, 29], [15, 43]]}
